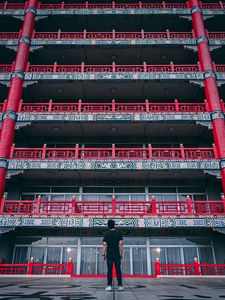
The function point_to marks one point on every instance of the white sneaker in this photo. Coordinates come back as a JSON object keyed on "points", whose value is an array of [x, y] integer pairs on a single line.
{"points": [[108, 288], [120, 288]]}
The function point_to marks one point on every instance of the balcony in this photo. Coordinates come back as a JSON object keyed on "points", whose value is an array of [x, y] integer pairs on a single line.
{"points": [[141, 160], [113, 5], [113, 153], [113, 38], [113, 107]]}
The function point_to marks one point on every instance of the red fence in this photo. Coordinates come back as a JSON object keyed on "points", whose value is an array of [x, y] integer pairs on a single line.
{"points": [[55, 68], [114, 153], [111, 107], [114, 207], [189, 269], [112, 5], [32, 268], [112, 35]]}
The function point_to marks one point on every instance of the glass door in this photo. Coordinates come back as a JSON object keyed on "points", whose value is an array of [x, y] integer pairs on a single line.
{"points": [[139, 257], [125, 263], [101, 263], [88, 260]]}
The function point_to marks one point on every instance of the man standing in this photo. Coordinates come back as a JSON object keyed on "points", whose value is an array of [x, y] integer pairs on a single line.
{"points": [[113, 251]]}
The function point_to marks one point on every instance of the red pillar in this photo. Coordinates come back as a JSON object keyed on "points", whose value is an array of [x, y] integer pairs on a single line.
{"points": [[15, 91], [211, 89], [70, 266], [157, 267]]}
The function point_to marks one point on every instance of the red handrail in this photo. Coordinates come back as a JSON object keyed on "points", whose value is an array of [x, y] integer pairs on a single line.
{"points": [[195, 268], [112, 35], [113, 153], [112, 5], [55, 68], [33, 268], [111, 107], [114, 207]]}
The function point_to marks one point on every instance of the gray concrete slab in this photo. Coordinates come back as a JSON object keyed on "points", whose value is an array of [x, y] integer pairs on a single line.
{"points": [[94, 289]]}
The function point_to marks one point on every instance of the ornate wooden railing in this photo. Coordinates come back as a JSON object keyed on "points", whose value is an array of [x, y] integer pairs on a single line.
{"points": [[80, 106], [114, 207], [195, 269], [112, 35], [113, 5], [114, 153], [55, 68], [33, 268]]}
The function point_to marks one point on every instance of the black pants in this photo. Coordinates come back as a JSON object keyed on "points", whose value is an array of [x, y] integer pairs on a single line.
{"points": [[117, 261]]}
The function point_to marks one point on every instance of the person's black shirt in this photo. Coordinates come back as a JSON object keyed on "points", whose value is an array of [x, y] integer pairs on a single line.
{"points": [[112, 238]]}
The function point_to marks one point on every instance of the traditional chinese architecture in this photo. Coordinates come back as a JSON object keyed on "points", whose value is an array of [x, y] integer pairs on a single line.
{"points": [[112, 110]]}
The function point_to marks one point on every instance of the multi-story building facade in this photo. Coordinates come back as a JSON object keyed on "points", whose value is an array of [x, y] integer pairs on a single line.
{"points": [[121, 118]]}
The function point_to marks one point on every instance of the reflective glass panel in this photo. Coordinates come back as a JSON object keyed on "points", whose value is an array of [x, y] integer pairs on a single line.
{"points": [[157, 253], [53, 255], [38, 253], [57, 197], [125, 264], [101, 263], [20, 255], [91, 240], [105, 197], [89, 197], [138, 197], [206, 255], [70, 252], [173, 255], [62, 241], [189, 254], [88, 260], [139, 260], [134, 241]]}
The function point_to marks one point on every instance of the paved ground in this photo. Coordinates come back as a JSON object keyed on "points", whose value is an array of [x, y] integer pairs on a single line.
{"points": [[135, 289]]}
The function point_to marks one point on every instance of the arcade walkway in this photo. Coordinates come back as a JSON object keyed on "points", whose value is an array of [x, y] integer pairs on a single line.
{"points": [[135, 289]]}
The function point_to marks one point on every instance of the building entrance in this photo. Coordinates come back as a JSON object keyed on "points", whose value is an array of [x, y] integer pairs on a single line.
{"points": [[140, 253]]}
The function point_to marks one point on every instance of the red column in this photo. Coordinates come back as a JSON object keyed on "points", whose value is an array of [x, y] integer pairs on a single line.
{"points": [[15, 91], [70, 266], [211, 89], [157, 267]]}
